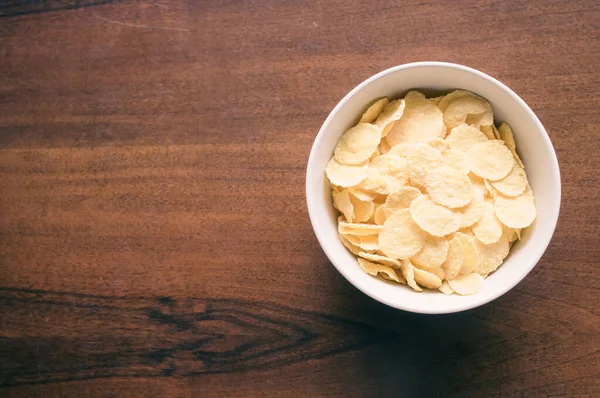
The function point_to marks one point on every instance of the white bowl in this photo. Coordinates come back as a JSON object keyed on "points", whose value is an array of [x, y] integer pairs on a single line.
{"points": [[533, 145]]}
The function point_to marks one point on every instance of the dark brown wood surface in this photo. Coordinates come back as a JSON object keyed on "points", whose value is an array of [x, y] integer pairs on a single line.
{"points": [[154, 238]]}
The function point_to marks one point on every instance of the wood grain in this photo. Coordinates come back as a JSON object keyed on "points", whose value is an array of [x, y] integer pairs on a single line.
{"points": [[164, 337], [154, 239]]}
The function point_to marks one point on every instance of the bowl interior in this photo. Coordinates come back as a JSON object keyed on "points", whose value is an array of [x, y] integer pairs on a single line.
{"points": [[533, 146]]}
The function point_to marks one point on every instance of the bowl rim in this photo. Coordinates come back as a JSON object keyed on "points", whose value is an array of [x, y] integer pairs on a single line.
{"points": [[310, 197]]}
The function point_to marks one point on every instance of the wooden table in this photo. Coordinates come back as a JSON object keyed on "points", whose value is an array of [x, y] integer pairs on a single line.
{"points": [[154, 239]]}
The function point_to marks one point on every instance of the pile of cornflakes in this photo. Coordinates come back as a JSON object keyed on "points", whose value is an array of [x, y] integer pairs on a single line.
{"points": [[431, 193]]}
